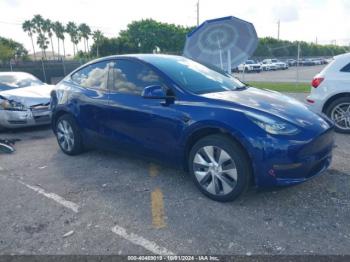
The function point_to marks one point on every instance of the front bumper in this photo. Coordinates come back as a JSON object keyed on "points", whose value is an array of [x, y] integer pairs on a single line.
{"points": [[17, 119], [253, 69], [293, 162]]}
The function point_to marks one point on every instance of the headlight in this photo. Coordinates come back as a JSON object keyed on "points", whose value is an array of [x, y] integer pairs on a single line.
{"points": [[273, 126], [11, 105]]}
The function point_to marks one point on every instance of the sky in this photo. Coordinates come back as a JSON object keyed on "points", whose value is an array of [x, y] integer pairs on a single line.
{"points": [[326, 20]]}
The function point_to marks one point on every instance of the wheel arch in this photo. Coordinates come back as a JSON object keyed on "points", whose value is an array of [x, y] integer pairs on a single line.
{"points": [[200, 133], [333, 98], [57, 115]]}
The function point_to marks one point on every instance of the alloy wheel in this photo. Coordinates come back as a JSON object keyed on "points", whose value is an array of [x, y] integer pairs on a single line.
{"points": [[341, 116], [65, 135], [215, 170]]}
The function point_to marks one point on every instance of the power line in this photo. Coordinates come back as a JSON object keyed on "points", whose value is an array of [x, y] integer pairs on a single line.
{"points": [[9, 23]]}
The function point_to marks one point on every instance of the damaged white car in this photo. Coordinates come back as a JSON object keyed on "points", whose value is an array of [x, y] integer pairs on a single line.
{"points": [[26, 106], [13, 80]]}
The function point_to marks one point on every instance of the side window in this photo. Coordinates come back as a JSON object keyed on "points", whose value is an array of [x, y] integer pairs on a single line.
{"points": [[346, 68], [93, 76], [132, 77]]}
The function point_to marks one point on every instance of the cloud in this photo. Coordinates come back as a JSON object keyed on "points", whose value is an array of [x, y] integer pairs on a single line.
{"points": [[285, 13], [11, 3]]}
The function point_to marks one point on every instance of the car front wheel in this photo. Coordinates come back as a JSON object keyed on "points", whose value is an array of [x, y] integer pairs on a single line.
{"points": [[68, 135], [339, 112], [219, 167]]}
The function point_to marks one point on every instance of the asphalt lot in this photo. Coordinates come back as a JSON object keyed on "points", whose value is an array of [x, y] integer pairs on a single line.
{"points": [[106, 203], [306, 74]]}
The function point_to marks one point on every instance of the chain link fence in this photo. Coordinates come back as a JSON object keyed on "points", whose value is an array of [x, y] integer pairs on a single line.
{"points": [[297, 69], [47, 71]]}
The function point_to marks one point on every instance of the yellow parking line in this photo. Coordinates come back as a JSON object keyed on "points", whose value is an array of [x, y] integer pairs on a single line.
{"points": [[153, 170], [157, 209]]}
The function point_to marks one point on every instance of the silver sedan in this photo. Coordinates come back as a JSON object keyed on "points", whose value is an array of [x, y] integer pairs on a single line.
{"points": [[23, 106]]}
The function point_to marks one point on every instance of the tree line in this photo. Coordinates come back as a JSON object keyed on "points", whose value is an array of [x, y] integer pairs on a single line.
{"points": [[149, 36], [271, 47], [11, 49]]}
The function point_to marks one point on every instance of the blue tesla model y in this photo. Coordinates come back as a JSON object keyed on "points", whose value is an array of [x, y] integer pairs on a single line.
{"points": [[226, 134]]}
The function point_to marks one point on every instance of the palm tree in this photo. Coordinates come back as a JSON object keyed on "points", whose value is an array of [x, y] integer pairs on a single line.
{"points": [[28, 27], [48, 27], [77, 39], [38, 21], [58, 29], [97, 36], [72, 30], [62, 38], [43, 42], [85, 32]]}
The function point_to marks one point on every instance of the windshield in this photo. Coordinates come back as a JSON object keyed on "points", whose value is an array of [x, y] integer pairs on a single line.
{"points": [[192, 76], [249, 62], [11, 81]]}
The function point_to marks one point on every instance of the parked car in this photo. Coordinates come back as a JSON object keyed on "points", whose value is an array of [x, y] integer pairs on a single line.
{"points": [[330, 92], [291, 62], [317, 61], [275, 64], [268, 66], [324, 61], [280, 65], [250, 66], [307, 62], [23, 106], [226, 134], [13, 80]]}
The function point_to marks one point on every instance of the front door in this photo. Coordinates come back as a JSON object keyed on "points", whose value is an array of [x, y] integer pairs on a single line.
{"points": [[140, 124]]}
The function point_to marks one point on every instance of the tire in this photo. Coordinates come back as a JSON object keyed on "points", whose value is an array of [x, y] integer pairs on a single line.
{"points": [[212, 180], [68, 130], [335, 110]]}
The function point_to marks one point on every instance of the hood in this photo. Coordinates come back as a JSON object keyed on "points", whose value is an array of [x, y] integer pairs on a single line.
{"points": [[272, 103], [29, 96]]}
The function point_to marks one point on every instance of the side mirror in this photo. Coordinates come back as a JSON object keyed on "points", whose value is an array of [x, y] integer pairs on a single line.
{"points": [[153, 92]]}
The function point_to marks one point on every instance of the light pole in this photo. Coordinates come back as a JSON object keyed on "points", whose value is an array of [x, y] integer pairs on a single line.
{"points": [[197, 12], [297, 71]]}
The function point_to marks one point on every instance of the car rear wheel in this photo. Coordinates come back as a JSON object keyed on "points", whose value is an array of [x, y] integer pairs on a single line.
{"points": [[219, 168], [339, 112], [68, 135]]}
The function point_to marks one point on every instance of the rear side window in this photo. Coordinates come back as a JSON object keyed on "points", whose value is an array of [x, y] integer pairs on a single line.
{"points": [[132, 77], [93, 76], [346, 68]]}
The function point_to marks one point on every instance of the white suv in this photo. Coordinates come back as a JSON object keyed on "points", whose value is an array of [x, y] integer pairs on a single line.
{"points": [[330, 92]]}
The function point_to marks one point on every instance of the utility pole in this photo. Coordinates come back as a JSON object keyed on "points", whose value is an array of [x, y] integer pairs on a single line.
{"points": [[197, 12], [316, 40], [278, 29], [298, 60]]}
